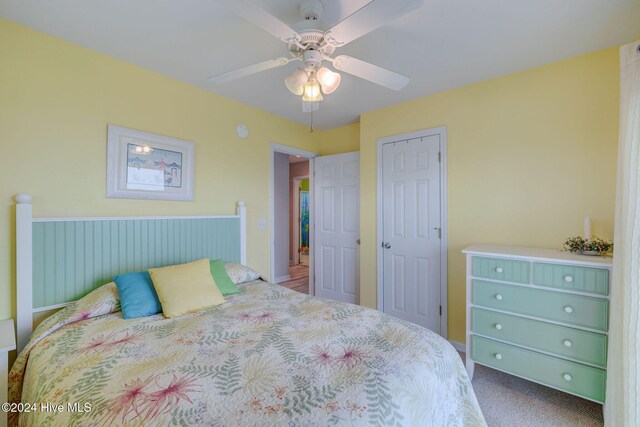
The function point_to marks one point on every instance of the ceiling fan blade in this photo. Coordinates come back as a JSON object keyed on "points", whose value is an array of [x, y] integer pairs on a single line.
{"points": [[371, 16], [370, 72], [251, 69], [263, 19]]}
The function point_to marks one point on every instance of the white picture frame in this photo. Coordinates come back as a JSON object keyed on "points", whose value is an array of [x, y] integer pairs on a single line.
{"points": [[143, 165]]}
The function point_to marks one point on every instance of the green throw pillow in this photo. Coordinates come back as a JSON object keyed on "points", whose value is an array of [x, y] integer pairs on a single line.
{"points": [[221, 278]]}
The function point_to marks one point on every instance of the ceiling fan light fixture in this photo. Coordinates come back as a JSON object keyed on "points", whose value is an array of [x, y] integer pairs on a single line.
{"points": [[296, 81], [312, 92], [329, 81]]}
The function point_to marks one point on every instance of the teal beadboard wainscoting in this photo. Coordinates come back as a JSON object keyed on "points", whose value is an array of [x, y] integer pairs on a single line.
{"points": [[539, 314]]}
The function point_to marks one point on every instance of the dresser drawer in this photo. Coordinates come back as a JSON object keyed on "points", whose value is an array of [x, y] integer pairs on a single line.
{"points": [[592, 280], [568, 376], [589, 312], [501, 269], [578, 345]]}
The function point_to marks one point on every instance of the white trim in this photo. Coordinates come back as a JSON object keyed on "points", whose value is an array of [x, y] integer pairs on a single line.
{"points": [[241, 210], [279, 148], [282, 279], [129, 218], [444, 245], [312, 228], [458, 346], [24, 270]]}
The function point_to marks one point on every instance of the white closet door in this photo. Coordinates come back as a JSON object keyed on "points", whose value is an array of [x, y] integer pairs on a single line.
{"points": [[337, 218], [411, 230]]}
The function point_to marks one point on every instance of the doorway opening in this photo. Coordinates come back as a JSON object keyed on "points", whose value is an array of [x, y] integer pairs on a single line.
{"points": [[291, 218]]}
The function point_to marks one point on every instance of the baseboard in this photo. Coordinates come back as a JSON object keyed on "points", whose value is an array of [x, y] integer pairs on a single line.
{"points": [[458, 346], [282, 279]]}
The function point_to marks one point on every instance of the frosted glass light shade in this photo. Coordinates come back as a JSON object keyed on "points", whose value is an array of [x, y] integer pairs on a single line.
{"points": [[312, 92], [329, 81], [295, 82]]}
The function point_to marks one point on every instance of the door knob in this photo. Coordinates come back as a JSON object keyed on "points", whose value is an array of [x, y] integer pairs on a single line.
{"points": [[386, 245], [358, 241]]}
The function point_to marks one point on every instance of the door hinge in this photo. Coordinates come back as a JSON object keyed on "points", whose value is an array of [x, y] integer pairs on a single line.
{"points": [[439, 232], [439, 156], [440, 310]]}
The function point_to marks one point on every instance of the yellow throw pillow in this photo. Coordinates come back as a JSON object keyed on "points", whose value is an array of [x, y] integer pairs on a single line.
{"points": [[185, 288]]}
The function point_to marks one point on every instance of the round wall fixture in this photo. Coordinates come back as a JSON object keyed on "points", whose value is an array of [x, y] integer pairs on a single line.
{"points": [[242, 130]]}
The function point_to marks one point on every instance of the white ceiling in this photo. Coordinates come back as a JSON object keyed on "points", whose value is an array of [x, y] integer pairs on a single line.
{"points": [[442, 45]]}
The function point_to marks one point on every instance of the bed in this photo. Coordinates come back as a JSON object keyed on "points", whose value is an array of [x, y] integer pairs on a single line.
{"points": [[267, 356]]}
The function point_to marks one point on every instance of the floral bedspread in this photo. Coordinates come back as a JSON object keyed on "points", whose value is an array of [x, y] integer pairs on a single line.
{"points": [[269, 356]]}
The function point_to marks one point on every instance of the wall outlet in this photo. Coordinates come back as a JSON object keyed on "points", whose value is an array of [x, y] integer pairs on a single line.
{"points": [[262, 224]]}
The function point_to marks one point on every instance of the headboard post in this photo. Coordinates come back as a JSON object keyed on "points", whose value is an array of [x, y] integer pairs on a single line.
{"points": [[241, 211], [24, 269]]}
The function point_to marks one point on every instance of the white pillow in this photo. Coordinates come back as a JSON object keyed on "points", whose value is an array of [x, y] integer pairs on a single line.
{"points": [[239, 273]]}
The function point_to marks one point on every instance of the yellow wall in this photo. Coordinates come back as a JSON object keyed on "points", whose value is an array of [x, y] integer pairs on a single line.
{"points": [[339, 140], [55, 102], [518, 149], [530, 154]]}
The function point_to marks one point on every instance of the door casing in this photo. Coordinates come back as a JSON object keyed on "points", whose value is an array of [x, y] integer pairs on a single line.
{"points": [[442, 133]]}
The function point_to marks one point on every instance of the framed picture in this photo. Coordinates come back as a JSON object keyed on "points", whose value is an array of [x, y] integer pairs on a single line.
{"points": [[143, 165]]}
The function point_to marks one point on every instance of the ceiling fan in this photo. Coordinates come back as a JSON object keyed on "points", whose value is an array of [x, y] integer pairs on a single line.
{"points": [[312, 46]]}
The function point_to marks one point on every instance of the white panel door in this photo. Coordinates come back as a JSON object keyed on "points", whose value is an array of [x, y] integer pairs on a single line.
{"points": [[411, 230], [337, 218]]}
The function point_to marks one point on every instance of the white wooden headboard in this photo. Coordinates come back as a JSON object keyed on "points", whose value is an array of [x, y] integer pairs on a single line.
{"points": [[59, 260]]}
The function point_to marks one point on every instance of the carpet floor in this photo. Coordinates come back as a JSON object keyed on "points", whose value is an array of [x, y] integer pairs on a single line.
{"points": [[509, 401]]}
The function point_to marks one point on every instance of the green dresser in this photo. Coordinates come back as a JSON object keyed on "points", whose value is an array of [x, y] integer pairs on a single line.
{"points": [[539, 314]]}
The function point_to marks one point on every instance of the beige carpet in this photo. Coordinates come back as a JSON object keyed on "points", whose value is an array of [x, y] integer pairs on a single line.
{"points": [[508, 401]]}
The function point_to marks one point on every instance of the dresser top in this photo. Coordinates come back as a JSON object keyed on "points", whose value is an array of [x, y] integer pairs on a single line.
{"points": [[7, 335], [538, 254]]}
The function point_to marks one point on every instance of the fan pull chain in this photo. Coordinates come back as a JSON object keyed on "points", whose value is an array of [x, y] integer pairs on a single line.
{"points": [[311, 126]]}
